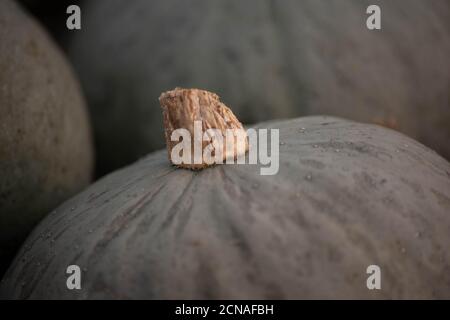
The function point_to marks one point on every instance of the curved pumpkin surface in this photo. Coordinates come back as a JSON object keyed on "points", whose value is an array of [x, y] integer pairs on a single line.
{"points": [[347, 196], [268, 60], [46, 153]]}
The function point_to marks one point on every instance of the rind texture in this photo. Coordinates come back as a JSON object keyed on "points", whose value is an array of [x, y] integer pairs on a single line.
{"points": [[46, 153], [347, 196]]}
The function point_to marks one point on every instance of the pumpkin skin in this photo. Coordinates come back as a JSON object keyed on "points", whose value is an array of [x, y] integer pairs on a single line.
{"points": [[347, 196], [46, 151], [265, 59]]}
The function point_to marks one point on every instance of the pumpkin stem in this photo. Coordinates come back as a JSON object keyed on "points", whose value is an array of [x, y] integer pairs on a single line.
{"points": [[199, 129]]}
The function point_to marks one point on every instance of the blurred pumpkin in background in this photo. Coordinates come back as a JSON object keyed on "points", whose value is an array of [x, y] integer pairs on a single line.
{"points": [[267, 59], [46, 151]]}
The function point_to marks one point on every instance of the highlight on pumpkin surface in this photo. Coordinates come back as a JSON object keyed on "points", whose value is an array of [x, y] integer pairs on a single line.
{"points": [[201, 131]]}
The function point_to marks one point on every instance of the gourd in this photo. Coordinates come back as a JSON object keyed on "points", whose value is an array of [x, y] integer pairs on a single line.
{"points": [[46, 151], [268, 59], [347, 196]]}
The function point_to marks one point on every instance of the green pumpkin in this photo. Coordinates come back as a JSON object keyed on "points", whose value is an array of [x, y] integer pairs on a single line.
{"points": [[347, 196], [46, 151], [267, 60]]}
